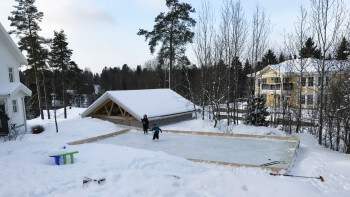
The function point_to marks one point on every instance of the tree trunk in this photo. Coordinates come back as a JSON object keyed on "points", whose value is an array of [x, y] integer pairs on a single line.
{"points": [[320, 119], [64, 96], [338, 134], [347, 136], [171, 54], [45, 96], [38, 92]]}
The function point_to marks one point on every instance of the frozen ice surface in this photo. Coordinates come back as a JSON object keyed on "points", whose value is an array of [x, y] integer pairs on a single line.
{"points": [[240, 150]]}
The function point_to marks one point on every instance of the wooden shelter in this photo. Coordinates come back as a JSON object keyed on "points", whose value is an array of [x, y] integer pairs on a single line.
{"points": [[127, 107]]}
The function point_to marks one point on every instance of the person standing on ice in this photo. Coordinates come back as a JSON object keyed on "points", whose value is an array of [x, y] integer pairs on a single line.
{"points": [[145, 124], [156, 130]]}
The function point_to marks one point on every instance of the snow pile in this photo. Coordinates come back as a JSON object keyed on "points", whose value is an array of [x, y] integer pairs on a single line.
{"points": [[71, 129], [26, 169]]}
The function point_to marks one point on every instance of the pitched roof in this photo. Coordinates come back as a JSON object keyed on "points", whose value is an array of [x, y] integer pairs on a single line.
{"points": [[307, 65], [153, 102], [296, 65], [12, 46], [8, 89]]}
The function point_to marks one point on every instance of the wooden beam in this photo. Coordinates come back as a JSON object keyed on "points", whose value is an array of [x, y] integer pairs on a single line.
{"points": [[110, 110], [107, 110], [120, 109], [99, 107]]}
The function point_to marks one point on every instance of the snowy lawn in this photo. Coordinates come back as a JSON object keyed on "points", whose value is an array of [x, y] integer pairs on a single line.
{"points": [[27, 170]]}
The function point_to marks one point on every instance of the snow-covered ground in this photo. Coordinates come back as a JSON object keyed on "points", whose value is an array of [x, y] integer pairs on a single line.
{"points": [[27, 170]]}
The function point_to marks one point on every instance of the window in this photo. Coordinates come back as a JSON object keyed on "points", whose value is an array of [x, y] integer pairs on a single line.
{"points": [[276, 87], [264, 96], [310, 81], [265, 87], [310, 99], [303, 81], [277, 99], [14, 106], [302, 99], [277, 80], [288, 86], [286, 80], [11, 77], [264, 80], [327, 81], [319, 81]]}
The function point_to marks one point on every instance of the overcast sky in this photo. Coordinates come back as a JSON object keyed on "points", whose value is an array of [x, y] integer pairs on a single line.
{"points": [[103, 32]]}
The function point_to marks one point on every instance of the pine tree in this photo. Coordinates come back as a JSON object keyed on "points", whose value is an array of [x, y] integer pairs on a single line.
{"points": [[281, 58], [256, 112], [269, 58], [173, 30], [343, 50], [25, 18], [60, 59], [309, 50]]}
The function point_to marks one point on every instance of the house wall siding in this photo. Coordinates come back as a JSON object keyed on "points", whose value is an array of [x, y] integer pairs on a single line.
{"points": [[10, 58]]}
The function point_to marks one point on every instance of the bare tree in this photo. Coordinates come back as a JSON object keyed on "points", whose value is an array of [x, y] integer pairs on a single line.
{"points": [[327, 17], [233, 34], [258, 40], [294, 44], [217, 85], [203, 44]]}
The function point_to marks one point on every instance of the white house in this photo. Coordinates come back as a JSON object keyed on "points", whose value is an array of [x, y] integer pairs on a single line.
{"points": [[12, 91]]}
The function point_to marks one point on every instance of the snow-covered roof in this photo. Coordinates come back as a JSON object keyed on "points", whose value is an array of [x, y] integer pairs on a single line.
{"points": [[3, 34], [153, 102], [8, 89], [306, 65], [296, 65]]}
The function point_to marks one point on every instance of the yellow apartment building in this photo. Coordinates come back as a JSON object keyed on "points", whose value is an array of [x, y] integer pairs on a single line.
{"points": [[282, 83]]}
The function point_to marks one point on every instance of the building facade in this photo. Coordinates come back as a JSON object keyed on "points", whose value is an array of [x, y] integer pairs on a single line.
{"points": [[12, 91], [294, 82]]}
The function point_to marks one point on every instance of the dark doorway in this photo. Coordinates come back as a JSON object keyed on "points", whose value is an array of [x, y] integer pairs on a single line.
{"points": [[4, 129]]}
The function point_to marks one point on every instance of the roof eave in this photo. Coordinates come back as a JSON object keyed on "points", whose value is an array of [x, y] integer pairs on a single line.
{"points": [[22, 60]]}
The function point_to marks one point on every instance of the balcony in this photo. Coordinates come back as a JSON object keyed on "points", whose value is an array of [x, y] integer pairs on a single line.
{"points": [[277, 86]]}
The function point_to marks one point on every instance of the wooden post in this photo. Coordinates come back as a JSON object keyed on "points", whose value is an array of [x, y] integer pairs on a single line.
{"points": [[110, 110], [107, 110]]}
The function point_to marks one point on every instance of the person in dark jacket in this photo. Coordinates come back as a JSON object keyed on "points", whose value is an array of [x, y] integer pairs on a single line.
{"points": [[145, 124], [156, 130]]}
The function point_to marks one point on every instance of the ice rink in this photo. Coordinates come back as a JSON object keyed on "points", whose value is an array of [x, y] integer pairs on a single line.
{"points": [[252, 151]]}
